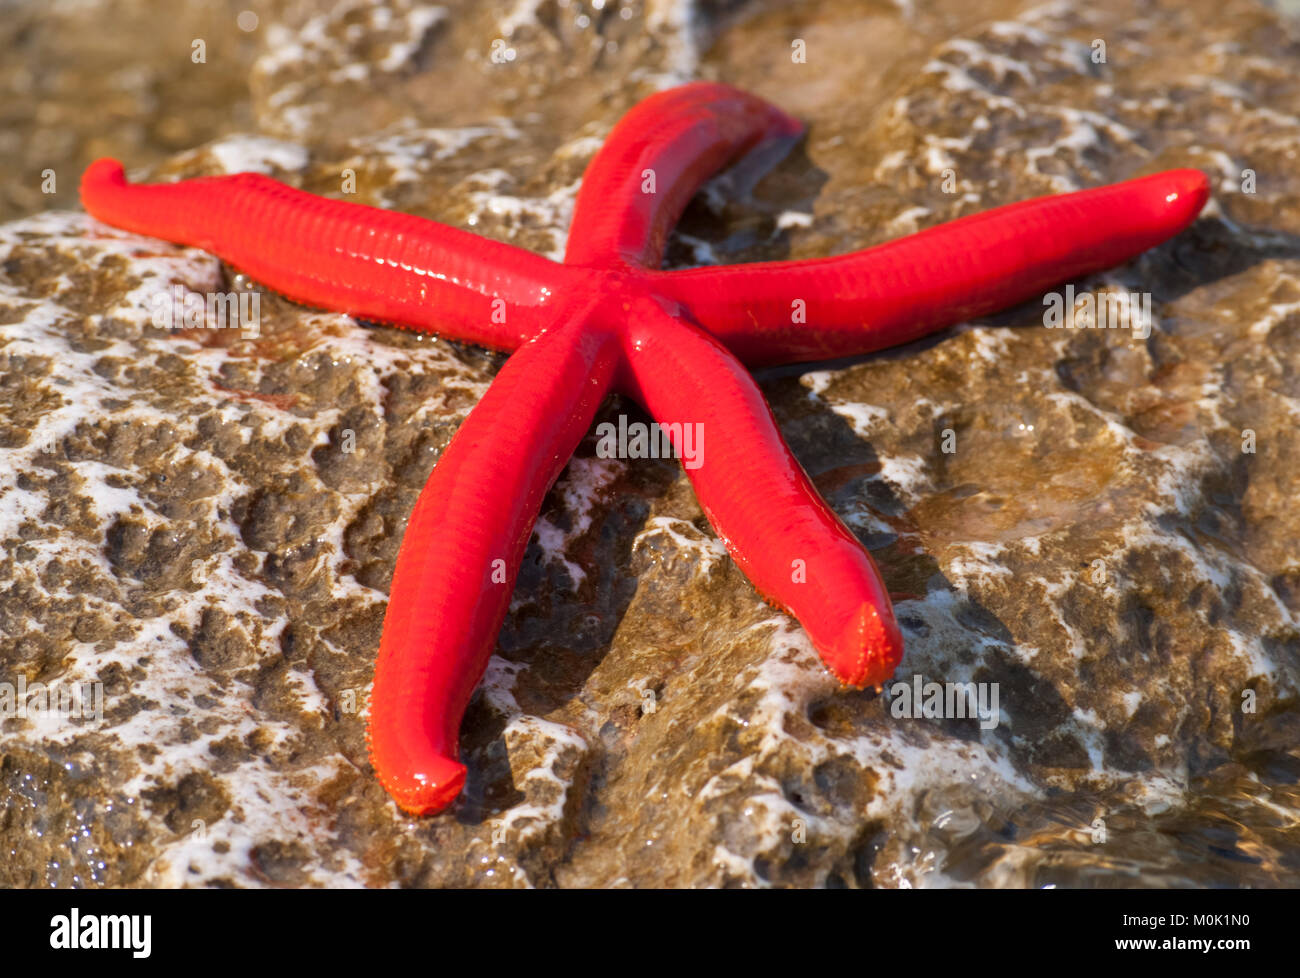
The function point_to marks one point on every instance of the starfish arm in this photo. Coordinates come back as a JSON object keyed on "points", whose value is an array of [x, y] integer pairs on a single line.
{"points": [[901, 290], [780, 532], [654, 160], [365, 261], [461, 553]]}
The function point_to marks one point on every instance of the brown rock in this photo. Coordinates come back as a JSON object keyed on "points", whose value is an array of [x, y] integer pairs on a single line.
{"points": [[205, 521]]}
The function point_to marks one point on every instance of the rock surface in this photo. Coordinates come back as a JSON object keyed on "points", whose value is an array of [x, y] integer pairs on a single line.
{"points": [[1099, 522]]}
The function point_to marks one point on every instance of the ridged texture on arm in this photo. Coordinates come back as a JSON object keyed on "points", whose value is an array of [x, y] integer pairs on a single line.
{"points": [[365, 261], [779, 531], [683, 136], [901, 290], [461, 553]]}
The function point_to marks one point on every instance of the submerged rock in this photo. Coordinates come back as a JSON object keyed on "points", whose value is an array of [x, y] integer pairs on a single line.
{"points": [[1093, 525]]}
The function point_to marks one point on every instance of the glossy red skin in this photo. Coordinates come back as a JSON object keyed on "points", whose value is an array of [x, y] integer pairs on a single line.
{"points": [[901, 290], [683, 136], [368, 262], [604, 321]]}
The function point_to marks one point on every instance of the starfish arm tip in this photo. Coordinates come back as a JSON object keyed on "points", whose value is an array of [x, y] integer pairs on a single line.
{"points": [[105, 170], [1183, 195], [424, 787], [868, 650], [103, 176]]}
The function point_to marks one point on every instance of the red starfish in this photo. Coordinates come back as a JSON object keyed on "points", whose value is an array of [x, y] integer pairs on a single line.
{"points": [[607, 320]]}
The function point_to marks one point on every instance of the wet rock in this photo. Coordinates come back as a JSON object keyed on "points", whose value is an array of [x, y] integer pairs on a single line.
{"points": [[1096, 524]]}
